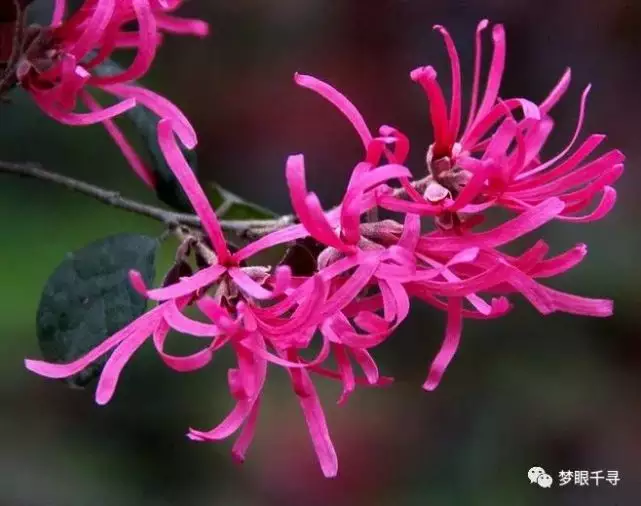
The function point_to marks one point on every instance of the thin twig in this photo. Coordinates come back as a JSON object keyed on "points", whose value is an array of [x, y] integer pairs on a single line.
{"points": [[114, 199], [172, 219]]}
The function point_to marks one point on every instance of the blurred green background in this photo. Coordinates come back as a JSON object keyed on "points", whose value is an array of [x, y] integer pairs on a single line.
{"points": [[559, 392]]}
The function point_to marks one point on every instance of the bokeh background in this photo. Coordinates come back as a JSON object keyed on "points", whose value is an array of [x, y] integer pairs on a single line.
{"points": [[560, 392]]}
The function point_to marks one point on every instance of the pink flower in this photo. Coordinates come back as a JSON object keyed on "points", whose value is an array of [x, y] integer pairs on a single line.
{"points": [[161, 9], [494, 159], [454, 266], [355, 261], [367, 270], [264, 317], [463, 279], [59, 67]]}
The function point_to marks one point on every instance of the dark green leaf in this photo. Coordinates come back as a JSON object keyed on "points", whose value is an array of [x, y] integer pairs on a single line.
{"points": [[302, 257], [179, 270], [89, 297], [168, 189], [230, 206], [145, 122]]}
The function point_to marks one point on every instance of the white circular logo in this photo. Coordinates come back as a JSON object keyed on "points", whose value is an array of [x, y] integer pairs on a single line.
{"points": [[540, 477], [544, 481], [534, 473]]}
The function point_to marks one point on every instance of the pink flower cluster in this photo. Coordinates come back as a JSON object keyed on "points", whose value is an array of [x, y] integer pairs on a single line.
{"points": [[369, 270], [59, 65]]}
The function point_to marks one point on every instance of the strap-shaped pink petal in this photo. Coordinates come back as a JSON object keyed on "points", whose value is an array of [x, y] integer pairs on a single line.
{"points": [[346, 371], [578, 199], [517, 227], [186, 363], [59, 10], [579, 176], [526, 179], [94, 28], [57, 371], [367, 364], [147, 42], [165, 109], [288, 363], [401, 143], [352, 205], [276, 238], [317, 426], [449, 346], [560, 263], [500, 305], [557, 92], [83, 119], [246, 436], [338, 100], [248, 285], [473, 188], [352, 287], [217, 314], [577, 131], [227, 427], [485, 123], [307, 206], [178, 321], [478, 53], [188, 285], [186, 177], [576, 305], [116, 362], [426, 77], [182, 26], [497, 66], [606, 204], [139, 167], [455, 102]]}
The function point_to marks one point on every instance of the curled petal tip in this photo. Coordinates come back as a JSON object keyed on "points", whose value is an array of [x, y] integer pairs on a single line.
{"points": [[103, 398], [619, 153], [31, 365], [238, 459], [483, 24], [296, 158], [45, 369], [201, 29], [498, 32], [301, 78], [137, 282], [128, 103], [190, 142], [431, 383], [423, 73]]}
